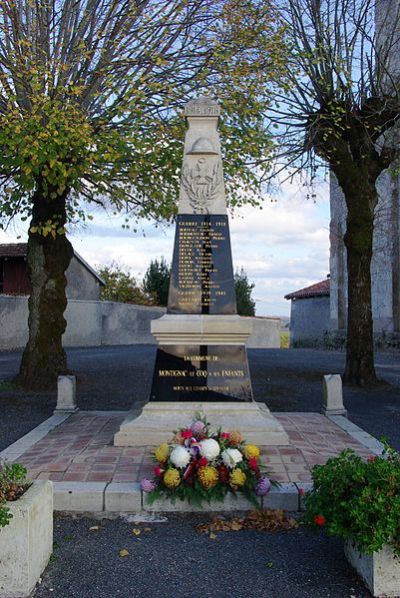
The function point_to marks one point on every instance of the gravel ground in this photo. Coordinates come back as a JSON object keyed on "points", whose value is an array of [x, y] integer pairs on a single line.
{"points": [[173, 559], [287, 380]]}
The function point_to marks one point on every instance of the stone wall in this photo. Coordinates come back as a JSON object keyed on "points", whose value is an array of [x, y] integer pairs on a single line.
{"points": [[95, 323], [309, 321]]}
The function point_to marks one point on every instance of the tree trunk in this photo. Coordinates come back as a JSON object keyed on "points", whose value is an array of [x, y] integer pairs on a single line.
{"points": [[48, 258], [361, 200]]}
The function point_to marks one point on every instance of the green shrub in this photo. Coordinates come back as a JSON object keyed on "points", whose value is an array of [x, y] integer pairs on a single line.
{"points": [[13, 483], [358, 500]]}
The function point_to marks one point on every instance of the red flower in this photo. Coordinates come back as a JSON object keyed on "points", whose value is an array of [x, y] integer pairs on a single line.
{"points": [[225, 435], [320, 520], [158, 471], [372, 459], [253, 463], [186, 433], [301, 492], [223, 474], [202, 462]]}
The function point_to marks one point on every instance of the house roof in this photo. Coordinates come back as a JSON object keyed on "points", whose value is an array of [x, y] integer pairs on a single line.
{"points": [[21, 250], [319, 289], [13, 249]]}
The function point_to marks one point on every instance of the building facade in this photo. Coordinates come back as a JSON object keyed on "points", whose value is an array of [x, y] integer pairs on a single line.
{"points": [[82, 281]]}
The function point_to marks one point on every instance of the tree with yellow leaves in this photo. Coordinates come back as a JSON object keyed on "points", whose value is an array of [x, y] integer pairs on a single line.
{"points": [[91, 93]]}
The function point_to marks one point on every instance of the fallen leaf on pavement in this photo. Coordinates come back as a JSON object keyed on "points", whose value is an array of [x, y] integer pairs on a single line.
{"points": [[123, 552], [136, 531], [94, 528], [271, 520]]}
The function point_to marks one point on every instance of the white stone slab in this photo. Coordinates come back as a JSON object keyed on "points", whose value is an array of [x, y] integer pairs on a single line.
{"points": [[158, 419], [66, 395], [79, 496], [197, 329], [333, 395], [123, 497], [27, 542], [379, 571]]}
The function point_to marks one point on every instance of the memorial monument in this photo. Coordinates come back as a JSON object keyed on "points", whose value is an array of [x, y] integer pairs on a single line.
{"points": [[201, 363]]}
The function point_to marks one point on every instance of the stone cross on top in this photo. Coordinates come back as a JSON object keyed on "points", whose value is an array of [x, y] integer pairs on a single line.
{"points": [[202, 184]]}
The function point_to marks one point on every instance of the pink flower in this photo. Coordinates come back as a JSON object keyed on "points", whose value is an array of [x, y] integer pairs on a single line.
{"points": [[197, 428], [301, 492], [186, 433], [263, 486], [147, 485], [225, 435], [158, 471]]}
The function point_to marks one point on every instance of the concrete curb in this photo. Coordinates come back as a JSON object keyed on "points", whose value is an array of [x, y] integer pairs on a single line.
{"points": [[371, 443], [126, 497], [19, 447]]}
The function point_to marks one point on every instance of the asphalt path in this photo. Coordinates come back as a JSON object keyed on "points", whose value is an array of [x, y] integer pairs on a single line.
{"points": [[173, 560], [285, 379]]}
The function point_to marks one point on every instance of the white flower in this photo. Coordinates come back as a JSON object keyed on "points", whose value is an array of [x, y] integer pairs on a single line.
{"points": [[209, 448], [179, 457], [231, 457]]}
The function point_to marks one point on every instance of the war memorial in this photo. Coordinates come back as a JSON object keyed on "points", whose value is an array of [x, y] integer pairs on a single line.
{"points": [[201, 363]]}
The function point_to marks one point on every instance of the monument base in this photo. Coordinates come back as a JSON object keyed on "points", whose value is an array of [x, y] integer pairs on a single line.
{"points": [[158, 420]]}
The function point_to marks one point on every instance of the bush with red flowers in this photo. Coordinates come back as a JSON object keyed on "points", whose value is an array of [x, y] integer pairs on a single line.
{"points": [[199, 466], [358, 499]]}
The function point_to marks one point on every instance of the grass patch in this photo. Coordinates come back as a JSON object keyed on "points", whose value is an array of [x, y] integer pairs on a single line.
{"points": [[285, 340]]}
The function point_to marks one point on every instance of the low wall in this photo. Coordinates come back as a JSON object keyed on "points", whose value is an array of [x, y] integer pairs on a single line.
{"points": [[95, 323]]}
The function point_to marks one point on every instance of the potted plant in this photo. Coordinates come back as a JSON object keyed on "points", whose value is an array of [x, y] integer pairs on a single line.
{"points": [[359, 501], [26, 530]]}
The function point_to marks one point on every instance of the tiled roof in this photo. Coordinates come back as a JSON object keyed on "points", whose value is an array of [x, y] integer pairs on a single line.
{"points": [[21, 250], [319, 289], [13, 249]]}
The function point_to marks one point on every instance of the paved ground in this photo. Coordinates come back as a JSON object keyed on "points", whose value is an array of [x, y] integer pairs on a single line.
{"points": [[173, 560], [80, 450], [287, 380]]}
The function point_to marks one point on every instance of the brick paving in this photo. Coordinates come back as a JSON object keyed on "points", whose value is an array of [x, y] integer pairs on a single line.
{"points": [[81, 450]]}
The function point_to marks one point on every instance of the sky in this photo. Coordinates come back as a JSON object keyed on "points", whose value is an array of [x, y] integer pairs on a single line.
{"points": [[282, 248]]}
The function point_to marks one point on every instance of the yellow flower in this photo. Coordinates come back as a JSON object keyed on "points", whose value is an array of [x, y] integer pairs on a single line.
{"points": [[237, 478], [172, 478], [235, 437], [162, 453], [208, 477], [251, 451]]}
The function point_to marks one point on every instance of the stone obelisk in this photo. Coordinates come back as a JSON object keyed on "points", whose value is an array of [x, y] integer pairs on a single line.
{"points": [[201, 363]]}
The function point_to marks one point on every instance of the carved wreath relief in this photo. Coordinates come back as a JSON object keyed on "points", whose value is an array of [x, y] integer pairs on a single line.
{"points": [[201, 183]]}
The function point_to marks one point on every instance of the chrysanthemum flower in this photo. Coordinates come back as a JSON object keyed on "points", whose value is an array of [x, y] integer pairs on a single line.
{"points": [[237, 478], [235, 437], [162, 453], [172, 478], [251, 451], [208, 477]]}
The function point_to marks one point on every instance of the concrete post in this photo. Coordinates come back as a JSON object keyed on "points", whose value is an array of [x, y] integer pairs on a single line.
{"points": [[66, 395], [333, 395]]}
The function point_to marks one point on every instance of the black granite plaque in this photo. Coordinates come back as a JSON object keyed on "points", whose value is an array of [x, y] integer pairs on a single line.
{"points": [[201, 373], [202, 273]]}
